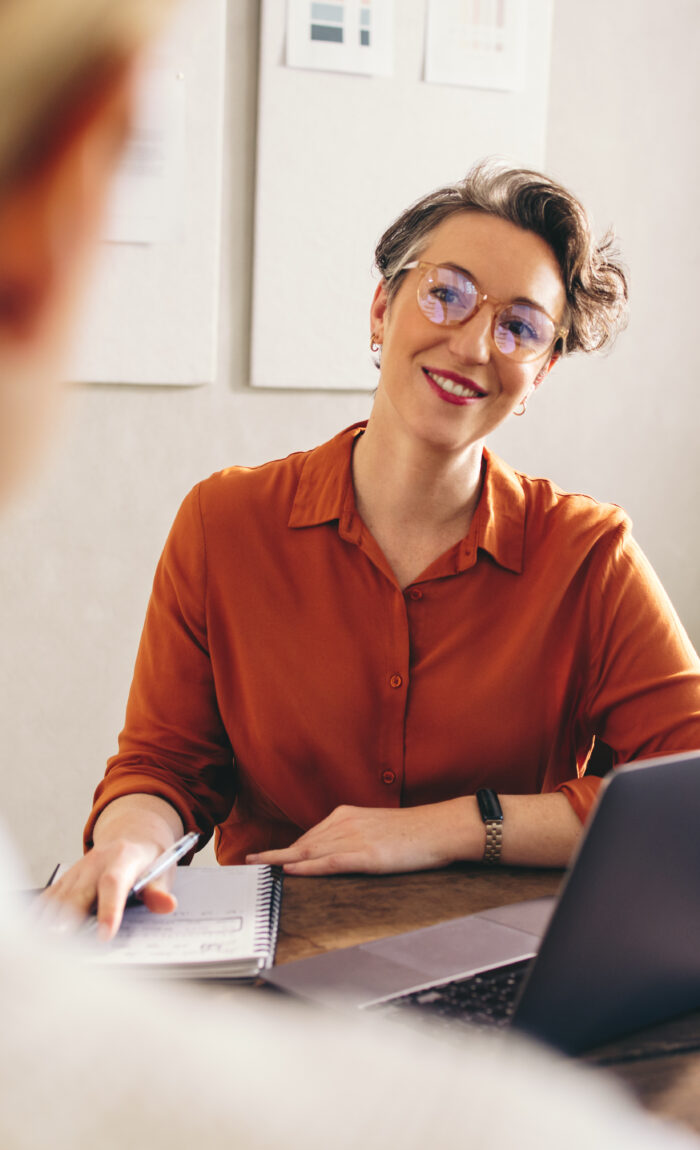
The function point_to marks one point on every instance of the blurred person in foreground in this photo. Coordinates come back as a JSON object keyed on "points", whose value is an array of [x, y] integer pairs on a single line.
{"points": [[89, 1059]]}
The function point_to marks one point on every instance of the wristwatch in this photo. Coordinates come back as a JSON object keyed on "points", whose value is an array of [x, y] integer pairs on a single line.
{"points": [[492, 816]]}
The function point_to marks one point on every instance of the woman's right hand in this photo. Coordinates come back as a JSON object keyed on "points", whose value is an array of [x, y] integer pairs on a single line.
{"points": [[129, 835]]}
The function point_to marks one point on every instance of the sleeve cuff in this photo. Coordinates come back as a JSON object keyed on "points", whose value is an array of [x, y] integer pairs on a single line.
{"points": [[582, 794], [137, 785]]}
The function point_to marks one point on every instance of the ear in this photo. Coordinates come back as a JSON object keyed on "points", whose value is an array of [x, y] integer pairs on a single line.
{"points": [[377, 312], [544, 371], [51, 211]]}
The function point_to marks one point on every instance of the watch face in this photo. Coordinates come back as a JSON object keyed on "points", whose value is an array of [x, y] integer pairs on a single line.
{"points": [[489, 805]]}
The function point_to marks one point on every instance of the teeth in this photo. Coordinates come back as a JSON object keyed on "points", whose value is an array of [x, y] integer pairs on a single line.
{"points": [[452, 387]]}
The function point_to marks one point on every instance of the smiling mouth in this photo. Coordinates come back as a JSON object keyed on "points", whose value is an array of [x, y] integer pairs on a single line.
{"points": [[452, 385]]}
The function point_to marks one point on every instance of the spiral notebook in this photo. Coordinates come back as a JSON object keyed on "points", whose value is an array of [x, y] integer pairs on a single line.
{"points": [[225, 926]]}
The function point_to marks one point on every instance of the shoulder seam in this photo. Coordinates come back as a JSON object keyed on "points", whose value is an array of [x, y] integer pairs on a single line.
{"points": [[525, 479]]}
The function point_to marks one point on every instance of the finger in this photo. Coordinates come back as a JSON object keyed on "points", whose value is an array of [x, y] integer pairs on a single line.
{"points": [[56, 915], [338, 863], [279, 857], [313, 844], [62, 890], [158, 898], [317, 838], [112, 892], [76, 897]]}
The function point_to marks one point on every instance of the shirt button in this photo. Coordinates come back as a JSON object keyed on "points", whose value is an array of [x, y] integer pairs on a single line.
{"points": [[388, 777], [395, 681], [415, 593]]}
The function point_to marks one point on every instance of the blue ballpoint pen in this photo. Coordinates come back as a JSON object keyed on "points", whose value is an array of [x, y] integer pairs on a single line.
{"points": [[164, 860]]}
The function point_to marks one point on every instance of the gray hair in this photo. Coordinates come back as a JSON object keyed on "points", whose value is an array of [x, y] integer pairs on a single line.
{"points": [[593, 278]]}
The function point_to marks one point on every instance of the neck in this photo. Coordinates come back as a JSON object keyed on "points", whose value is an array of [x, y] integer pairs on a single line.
{"points": [[406, 480]]}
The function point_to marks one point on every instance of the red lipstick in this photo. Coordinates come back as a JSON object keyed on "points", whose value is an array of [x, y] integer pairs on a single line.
{"points": [[450, 396]]}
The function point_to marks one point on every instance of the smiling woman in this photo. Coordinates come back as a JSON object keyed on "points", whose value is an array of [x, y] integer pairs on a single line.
{"points": [[393, 652], [475, 355], [111, 1065]]}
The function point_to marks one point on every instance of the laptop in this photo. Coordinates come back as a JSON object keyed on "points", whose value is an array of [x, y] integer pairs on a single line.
{"points": [[617, 950]]}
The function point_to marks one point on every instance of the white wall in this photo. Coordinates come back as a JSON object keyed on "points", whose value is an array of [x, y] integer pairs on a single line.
{"points": [[358, 138], [624, 103], [77, 553]]}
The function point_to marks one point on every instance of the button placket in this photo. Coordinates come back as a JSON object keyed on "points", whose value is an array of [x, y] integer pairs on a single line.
{"points": [[389, 747]]}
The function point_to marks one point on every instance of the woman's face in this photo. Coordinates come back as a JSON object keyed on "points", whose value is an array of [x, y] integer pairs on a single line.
{"points": [[508, 264]]}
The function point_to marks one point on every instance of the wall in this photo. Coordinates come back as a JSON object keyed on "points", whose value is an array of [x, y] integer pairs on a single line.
{"points": [[322, 122], [78, 551]]}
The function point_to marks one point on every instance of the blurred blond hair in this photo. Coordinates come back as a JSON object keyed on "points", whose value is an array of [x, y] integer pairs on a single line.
{"points": [[50, 51]]}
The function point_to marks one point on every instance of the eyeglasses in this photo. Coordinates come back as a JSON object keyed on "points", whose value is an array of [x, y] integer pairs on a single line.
{"points": [[448, 296]]}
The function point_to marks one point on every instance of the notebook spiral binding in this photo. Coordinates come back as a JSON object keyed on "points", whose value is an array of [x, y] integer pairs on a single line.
{"points": [[267, 915]]}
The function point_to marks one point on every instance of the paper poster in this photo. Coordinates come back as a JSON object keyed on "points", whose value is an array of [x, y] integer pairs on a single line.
{"points": [[147, 198], [152, 314], [342, 36], [477, 43]]}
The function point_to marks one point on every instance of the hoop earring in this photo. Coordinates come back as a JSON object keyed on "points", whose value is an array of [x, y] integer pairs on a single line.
{"points": [[374, 346], [521, 408]]}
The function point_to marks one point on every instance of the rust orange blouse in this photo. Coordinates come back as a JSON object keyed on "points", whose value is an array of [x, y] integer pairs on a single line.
{"points": [[282, 671]]}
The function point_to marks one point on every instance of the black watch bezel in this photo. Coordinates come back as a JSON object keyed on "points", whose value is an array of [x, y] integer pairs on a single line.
{"points": [[489, 805]]}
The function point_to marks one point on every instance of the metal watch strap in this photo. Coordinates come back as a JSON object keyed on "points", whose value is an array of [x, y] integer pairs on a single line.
{"points": [[492, 817]]}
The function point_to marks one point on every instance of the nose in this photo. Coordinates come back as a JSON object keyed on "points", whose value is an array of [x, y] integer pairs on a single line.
{"points": [[471, 341]]}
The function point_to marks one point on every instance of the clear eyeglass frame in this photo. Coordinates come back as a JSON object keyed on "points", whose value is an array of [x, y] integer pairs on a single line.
{"points": [[522, 354]]}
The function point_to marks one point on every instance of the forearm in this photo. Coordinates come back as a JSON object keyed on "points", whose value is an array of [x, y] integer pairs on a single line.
{"points": [[538, 830], [139, 818]]}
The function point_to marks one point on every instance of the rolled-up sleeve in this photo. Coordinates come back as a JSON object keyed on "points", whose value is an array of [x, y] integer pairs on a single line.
{"points": [[643, 682], [174, 744]]}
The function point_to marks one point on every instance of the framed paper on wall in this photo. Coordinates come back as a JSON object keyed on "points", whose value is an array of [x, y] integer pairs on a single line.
{"points": [[339, 156], [152, 316]]}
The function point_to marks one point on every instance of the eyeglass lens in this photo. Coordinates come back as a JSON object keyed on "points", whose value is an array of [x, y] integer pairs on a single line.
{"points": [[448, 296]]}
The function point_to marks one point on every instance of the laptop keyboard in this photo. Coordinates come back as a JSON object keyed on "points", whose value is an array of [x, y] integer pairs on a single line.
{"points": [[486, 999]]}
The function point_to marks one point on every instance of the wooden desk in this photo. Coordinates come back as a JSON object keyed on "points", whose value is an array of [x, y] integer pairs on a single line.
{"points": [[321, 914]]}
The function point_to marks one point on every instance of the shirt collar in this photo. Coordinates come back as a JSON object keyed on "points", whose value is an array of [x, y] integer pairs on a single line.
{"points": [[325, 493], [499, 521]]}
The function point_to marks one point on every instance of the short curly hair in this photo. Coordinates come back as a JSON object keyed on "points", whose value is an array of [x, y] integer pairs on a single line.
{"points": [[593, 277]]}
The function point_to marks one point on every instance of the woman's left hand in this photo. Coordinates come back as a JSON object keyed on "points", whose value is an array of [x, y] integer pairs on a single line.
{"points": [[379, 841]]}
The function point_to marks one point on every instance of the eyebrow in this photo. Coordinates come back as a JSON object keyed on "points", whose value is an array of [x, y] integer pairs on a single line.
{"points": [[516, 299]]}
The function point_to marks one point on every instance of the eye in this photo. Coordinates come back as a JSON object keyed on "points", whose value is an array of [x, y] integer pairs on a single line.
{"points": [[520, 326], [519, 329], [449, 296], [446, 296]]}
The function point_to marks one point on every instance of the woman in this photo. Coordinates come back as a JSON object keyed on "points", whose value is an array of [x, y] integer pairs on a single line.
{"points": [[88, 1059], [360, 657]]}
